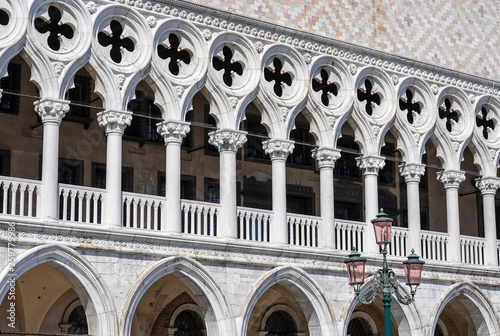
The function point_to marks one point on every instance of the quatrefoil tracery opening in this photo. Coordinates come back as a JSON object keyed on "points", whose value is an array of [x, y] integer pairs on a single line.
{"points": [[325, 86], [228, 64], [408, 103], [4, 17], [55, 27], [279, 76], [483, 121], [452, 116], [117, 41], [174, 53], [367, 94]]}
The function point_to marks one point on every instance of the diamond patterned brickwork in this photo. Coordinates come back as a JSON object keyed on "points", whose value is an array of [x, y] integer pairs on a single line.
{"points": [[461, 35]]}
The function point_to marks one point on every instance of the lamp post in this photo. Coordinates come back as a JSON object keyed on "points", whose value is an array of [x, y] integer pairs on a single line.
{"points": [[385, 279]]}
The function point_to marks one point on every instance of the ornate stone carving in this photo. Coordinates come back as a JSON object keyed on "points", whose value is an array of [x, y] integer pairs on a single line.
{"points": [[353, 69], [412, 172], [370, 164], [278, 149], [284, 113], [91, 7], [259, 47], [488, 185], [451, 178], [233, 101], [173, 131], [58, 68], [152, 22], [179, 90], [51, 111], [114, 121], [326, 157], [207, 34], [227, 140], [472, 98], [435, 89], [121, 81], [395, 79], [307, 58]]}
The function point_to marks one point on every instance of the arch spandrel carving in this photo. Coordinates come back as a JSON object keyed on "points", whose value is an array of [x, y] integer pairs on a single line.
{"points": [[486, 148], [121, 53], [12, 31], [415, 118], [374, 109], [175, 92]]}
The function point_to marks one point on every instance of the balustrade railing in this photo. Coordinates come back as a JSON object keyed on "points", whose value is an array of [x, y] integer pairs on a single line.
{"points": [[472, 250], [81, 204], [19, 197], [199, 217], [303, 230], [398, 246], [349, 235], [254, 224], [434, 246], [142, 211]]}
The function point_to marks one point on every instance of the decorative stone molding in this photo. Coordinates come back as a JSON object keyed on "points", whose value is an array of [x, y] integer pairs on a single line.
{"points": [[114, 121], [370, 164], [326, 157], [488, 185], [173, 131], [451, 178], [278, 149], [51, 110], [91, 7], [412, 172], [227, 140]]}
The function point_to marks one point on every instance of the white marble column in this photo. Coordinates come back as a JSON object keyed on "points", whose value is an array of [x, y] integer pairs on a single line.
{"points": [[279, 150], [451, 180], [51, 111], [227, 142], [115, 123], [412, 172], [326, 162], [370, 165], [488, 187], [173, 132]]}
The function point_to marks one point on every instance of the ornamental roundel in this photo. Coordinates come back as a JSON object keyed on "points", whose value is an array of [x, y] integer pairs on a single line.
{"points": [[374, 96], [179, 51], [122, 39], [330, 83], [234, 63], [415, 103], [11, 29], [453, 112], [487, 118], [60, 29]]}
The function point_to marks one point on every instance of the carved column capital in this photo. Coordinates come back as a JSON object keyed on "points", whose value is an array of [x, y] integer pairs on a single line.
{"points": [[114, 121], [173, 131], [412, 172], [370, 164], [227, 140], [278, 149], [51, 110], [488, 185], [326, 157], [451, 178]]}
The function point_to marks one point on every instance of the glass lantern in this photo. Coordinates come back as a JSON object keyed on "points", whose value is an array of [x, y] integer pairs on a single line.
{"points": [[382, 226], [413, 270], [356, 270]]}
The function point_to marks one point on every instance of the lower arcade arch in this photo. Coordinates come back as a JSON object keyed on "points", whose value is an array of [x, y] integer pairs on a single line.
{"points": [[176, 296], [463, 310], [55, 291], [286, 295]]}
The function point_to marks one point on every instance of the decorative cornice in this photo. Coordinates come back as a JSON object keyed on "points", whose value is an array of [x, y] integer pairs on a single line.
{"points": [[326, 157], [412, 172], [51, 110], [114, 121], [173, 131], [227, 140], [370, 164], [278, 149], [488, 185], [216, 19], [451, 178]]}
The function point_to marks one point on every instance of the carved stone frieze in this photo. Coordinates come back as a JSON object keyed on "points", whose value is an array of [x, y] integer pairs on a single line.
{"points": [[278, 149], [227, 140], [173, 131], [114, 121], [51, 110]]}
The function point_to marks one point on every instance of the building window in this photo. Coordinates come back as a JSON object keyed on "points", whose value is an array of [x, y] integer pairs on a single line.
{"points": [[187, 320], [300, 199], [304, 143], [358, 326], [348, 210], [70, 171], [188, 186], [80, 94], [346, 165], [74, 320], [4, 162], [256, 134], [387, 175], [11, 83], [212, 190], [146, 116], [210, 125], [99, 177], [280, 323]]}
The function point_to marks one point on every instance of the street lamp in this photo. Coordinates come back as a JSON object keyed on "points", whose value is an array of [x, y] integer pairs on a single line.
{"points": [[385, 279]]}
